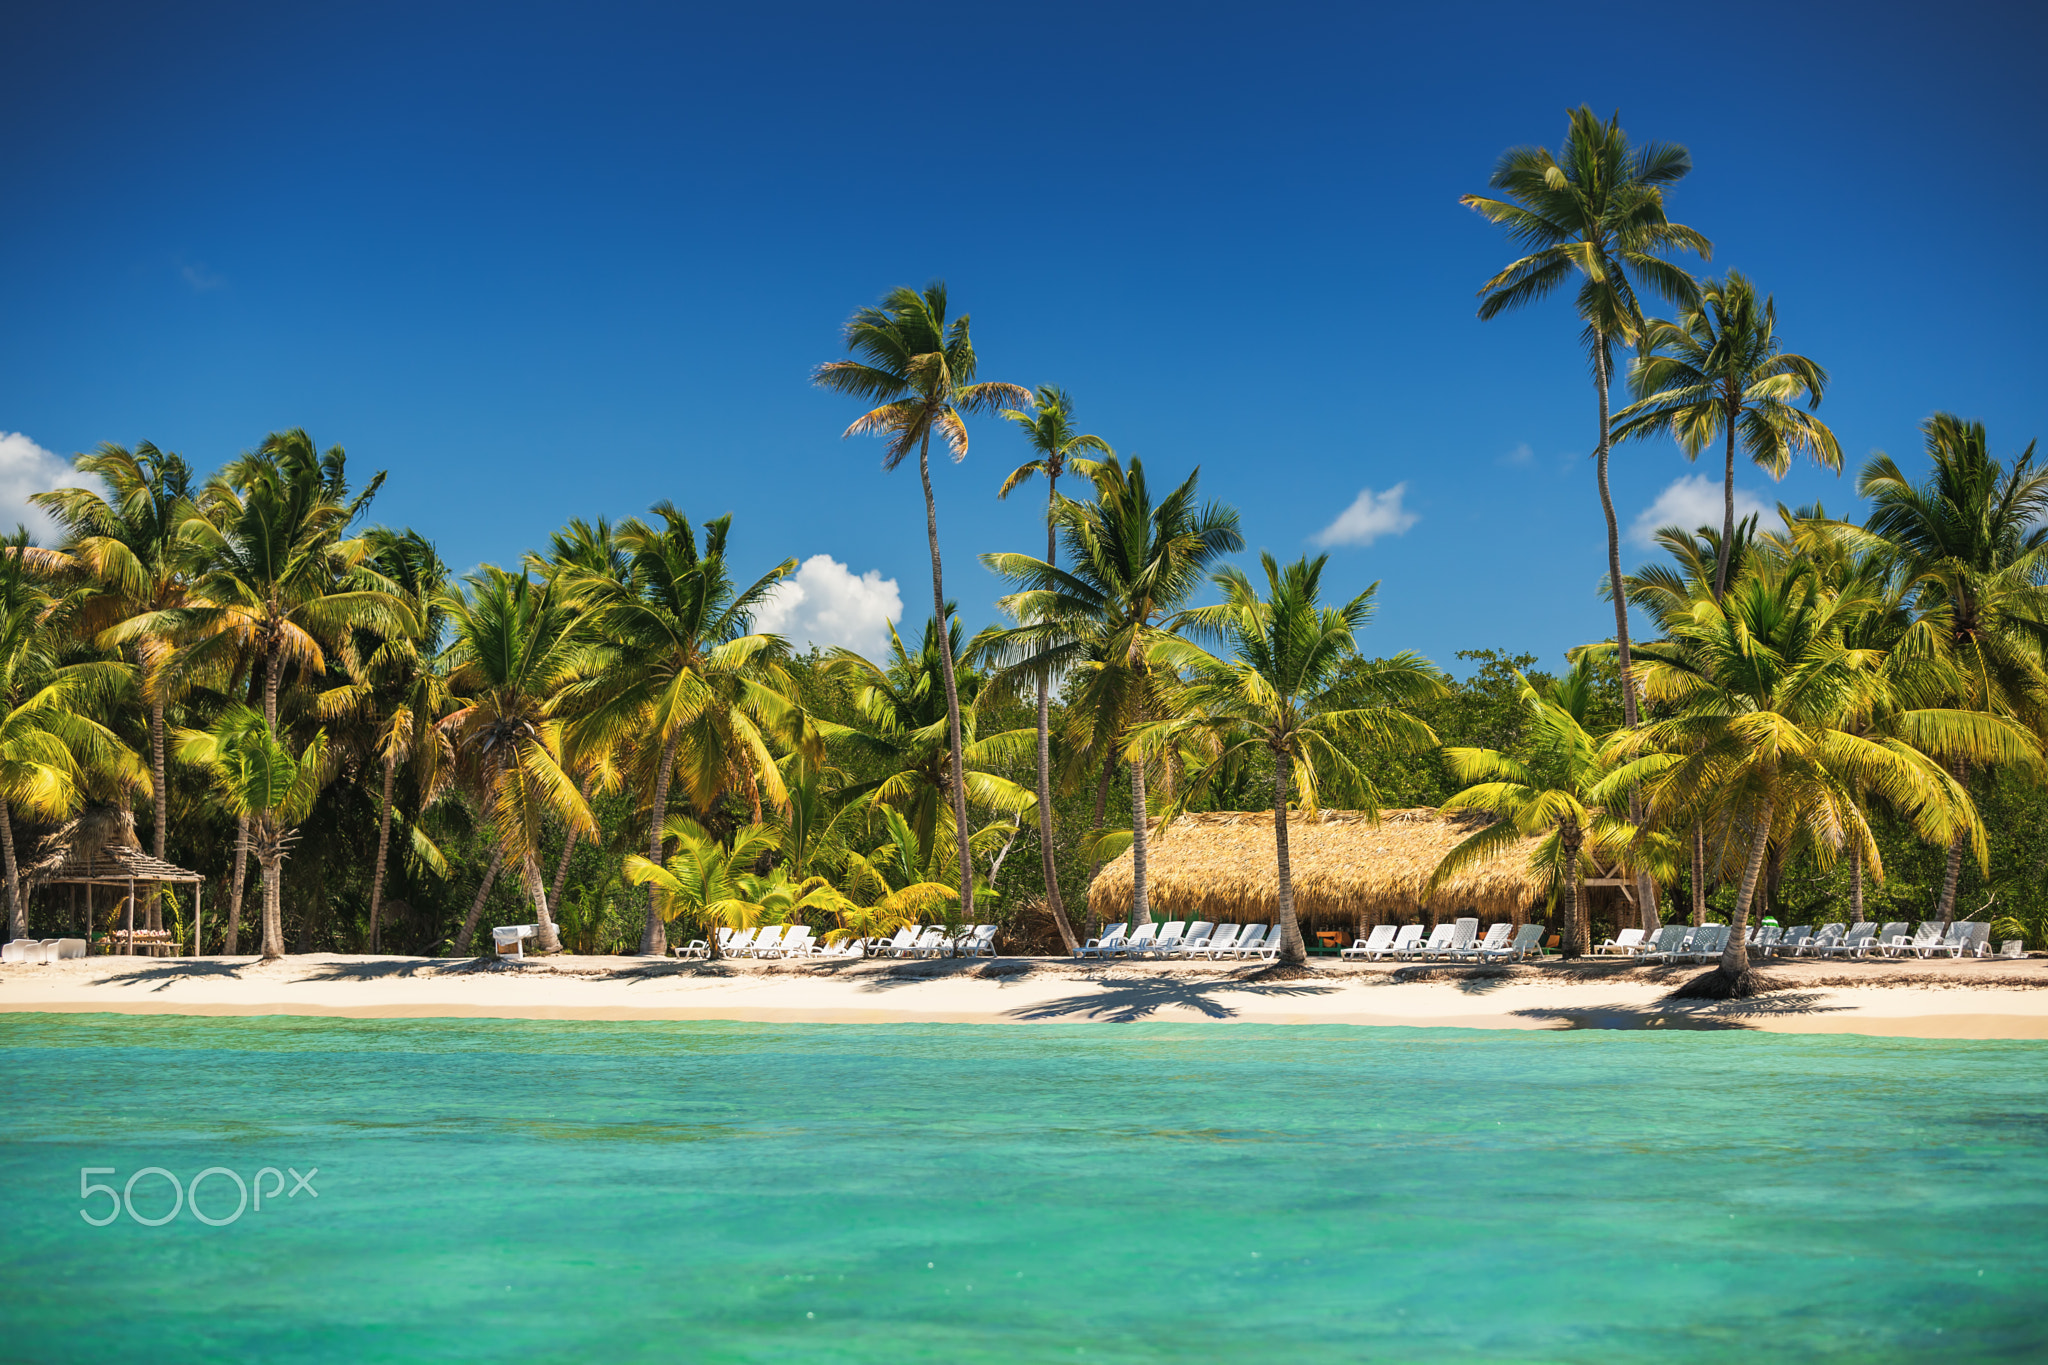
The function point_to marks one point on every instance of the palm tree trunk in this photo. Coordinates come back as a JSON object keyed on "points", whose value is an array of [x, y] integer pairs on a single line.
{"points": [[383, 845], [273, 898], [1293, 952], [476, 907], [160, 796], [1735, 957], [234, 938], [549, 940], [1947, 907], [1141, 902], [1699, 874], [1727, 515], [561, 881], [17, 913], [1570, 841], [271, 945], [654, 933], [1045, 852], [958, 782], [1856, 883]]}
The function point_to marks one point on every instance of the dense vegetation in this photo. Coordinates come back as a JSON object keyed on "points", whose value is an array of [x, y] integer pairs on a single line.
{"points": [[363, 753]]}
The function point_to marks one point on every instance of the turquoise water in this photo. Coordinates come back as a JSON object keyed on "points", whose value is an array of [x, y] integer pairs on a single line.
{"points": [[742, 1192]]}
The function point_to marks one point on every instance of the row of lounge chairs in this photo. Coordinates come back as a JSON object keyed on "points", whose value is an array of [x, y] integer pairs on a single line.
{"points": [[1679, 942], [1185, 938], [43, 950], [1459, 940], [795, 940]]}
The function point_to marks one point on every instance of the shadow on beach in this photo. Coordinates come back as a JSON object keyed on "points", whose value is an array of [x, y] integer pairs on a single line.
{"points": [[1126, 1002], [170, 972], [1705, 1015]]}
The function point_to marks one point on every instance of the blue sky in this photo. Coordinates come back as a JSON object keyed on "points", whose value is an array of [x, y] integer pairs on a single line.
{"points": [[552, 262]]}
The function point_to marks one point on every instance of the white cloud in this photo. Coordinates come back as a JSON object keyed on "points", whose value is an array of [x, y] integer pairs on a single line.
{"points": [[825, 603], [1691, 502], [1371, 516], [26, 468], [1522, 454]]}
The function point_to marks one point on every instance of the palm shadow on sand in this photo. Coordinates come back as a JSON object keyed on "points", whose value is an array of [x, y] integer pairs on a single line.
{"points": [[1702, 1015], [167, 975], [1129, 1001]]}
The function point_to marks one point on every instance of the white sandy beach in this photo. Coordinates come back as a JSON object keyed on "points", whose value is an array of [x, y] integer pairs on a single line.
{"points": [[1940, 999]]}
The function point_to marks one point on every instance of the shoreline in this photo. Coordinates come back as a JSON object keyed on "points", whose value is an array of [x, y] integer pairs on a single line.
{"points": [[1989, 998]]}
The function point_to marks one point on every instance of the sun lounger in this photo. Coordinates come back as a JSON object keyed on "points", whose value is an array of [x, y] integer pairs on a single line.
{"points": [[1111, 942], [1709, 941], [1527, 942], [1221, 941], [17, 950], [1379, 940], [1665, 944], [1250, 936], [1626, 944], [70, 947], [2013, 947], [1439, 939], [796, 942], [980, 943], [1194, 941], [1793, 940], [767, 940], [1410, 937], [1980, 941], [1763, 940], [1266, 949], [1884, 937], [1926, 936], [1139, 939], [1851, 942], [1163, 942], [737, 941], [1462, 934], [694, 948], [931, 943], [1495, 939], [1824, 939]]}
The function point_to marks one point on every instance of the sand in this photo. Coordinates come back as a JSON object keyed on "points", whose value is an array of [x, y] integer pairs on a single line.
{"points": [[1937, 999]]}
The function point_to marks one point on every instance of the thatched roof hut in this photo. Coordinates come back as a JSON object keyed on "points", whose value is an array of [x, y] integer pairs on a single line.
{"points": [[1348, 869]]}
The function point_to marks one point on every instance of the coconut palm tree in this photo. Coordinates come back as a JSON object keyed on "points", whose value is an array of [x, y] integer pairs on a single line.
{"points": [[1287, 689], [1595, 211], [515, 654], [126, 543], [260, 779], [918, 368], [1762, 692], [712, 885], [1049, 427], [1545, 793], [1970, 544], [1718, 371], [1134, 567], [49, 742], [681, 669]]}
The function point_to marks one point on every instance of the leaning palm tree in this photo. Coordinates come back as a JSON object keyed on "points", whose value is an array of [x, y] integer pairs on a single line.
{"points": [[1760, 689], [918, 369], [1718, 371], [1542, 793], [1054, 442], [1974, 555], [260, 779], [681, 669], [126, 544], [514, 655], [1134, 566], [1294, 688]]}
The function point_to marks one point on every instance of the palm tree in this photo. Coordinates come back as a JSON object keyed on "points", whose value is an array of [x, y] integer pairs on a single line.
{"points": [[1050, 429], [514, 657], [1718, 371], [1973, 553], [1134, 566], [127, 546], [918, 369], [902, 728], [49, 743], [711, 885], [260, 780], [1596, 211], [682, 670], [1287, 689], [1545, 793], [1763, 693], [412, 690]]}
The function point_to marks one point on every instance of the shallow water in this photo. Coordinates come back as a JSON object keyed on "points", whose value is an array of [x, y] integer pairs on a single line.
{"points": [[952, 1193]]}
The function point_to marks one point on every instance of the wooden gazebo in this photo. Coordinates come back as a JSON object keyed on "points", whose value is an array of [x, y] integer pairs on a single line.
{"points": [[81, 855]]}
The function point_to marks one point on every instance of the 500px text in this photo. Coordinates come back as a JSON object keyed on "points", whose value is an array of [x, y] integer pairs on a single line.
{"points": [[183, 1197]]}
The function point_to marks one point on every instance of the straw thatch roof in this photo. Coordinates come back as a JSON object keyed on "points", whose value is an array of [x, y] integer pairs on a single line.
{"points": [[1347, 868], [98, 845]]}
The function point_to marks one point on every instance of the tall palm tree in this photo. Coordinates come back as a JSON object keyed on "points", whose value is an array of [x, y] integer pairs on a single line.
{"points": [[681, 669], [1595, 210], [712, 885], [918, 368], [261, 780], [1545, 793], [1287, 689], [1759, 687], [515, 654], [1134, 566], [49, 741], [1971, 546], [126, 544], [1718, 371], [1050, 429], [405, 680]]}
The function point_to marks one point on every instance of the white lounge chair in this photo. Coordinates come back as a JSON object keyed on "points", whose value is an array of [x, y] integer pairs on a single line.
{"points": [[70, 947], [1625, 944], [980, 943], [766, 940], [737, 941], [1664, 945], [1496, 937], [694, 948], [930, 943], [1439, 939], [1139, 939], [1223, 940], [1896, 929], [1793, 940], [796, 942], [1164, 941], [1527, 942], [1409, 938], [1852, 942], [1380, 939], [1763, 940], [1462, 934], [16, 950], [1111, 942], [1708, 942], [1822, 942], [1193, 941], [1980, 941], [1266, 949], [2013, 947], [1926, 936]]}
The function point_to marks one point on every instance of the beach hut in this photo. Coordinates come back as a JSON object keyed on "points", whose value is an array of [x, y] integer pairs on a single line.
{"points": [[1350, 871], [98, 849]]}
